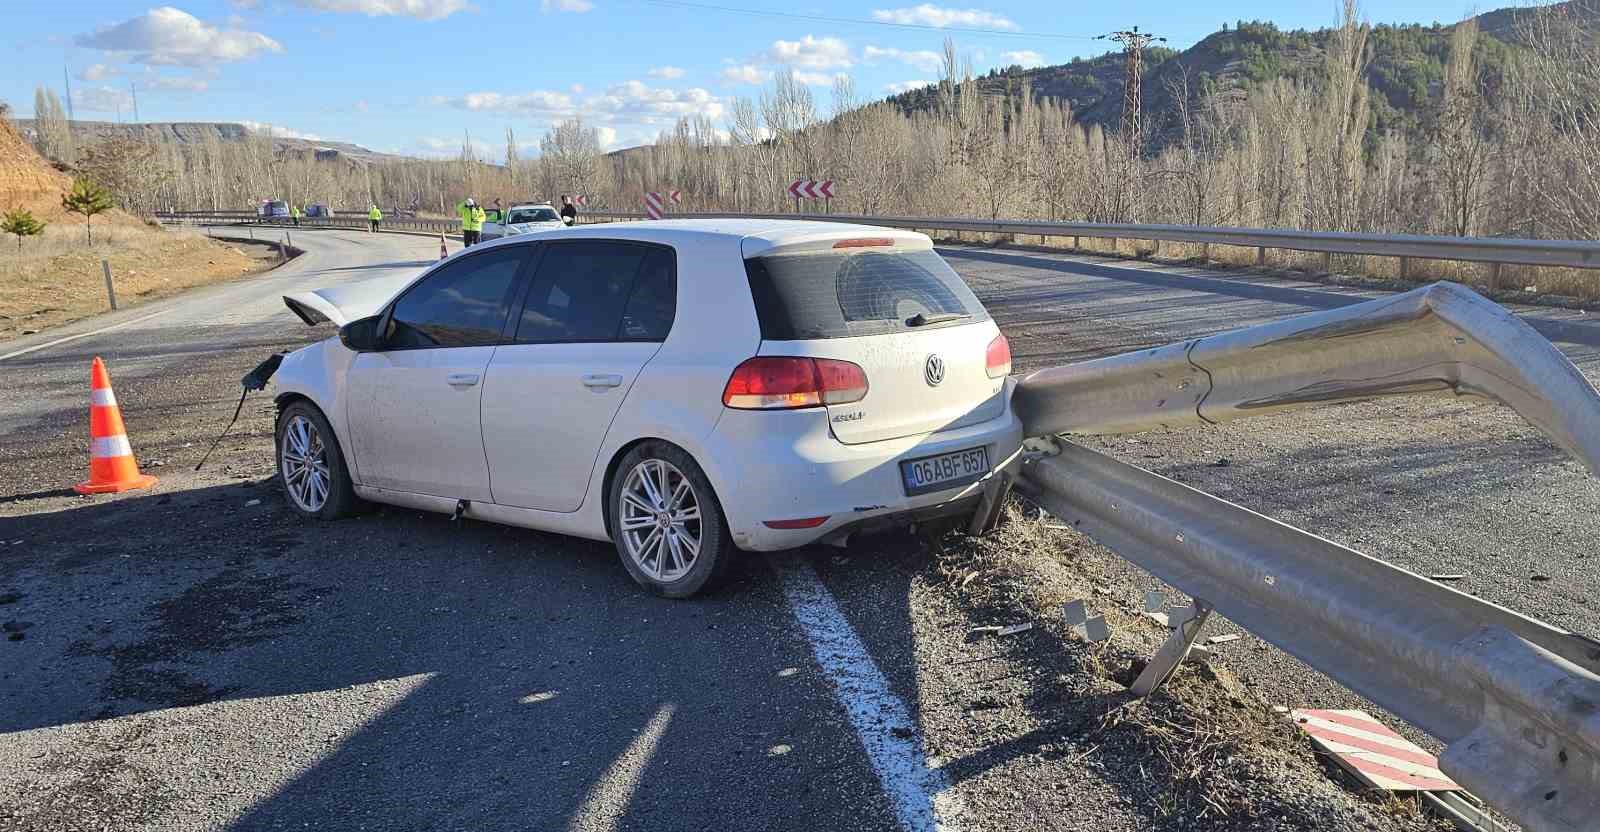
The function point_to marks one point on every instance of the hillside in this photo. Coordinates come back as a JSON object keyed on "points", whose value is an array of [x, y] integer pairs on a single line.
{"points": [[27, 181], [196, 132], [1406, 70]]}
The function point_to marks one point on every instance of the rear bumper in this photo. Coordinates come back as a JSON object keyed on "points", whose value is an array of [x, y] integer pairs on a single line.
{"points": [[786, 465]]}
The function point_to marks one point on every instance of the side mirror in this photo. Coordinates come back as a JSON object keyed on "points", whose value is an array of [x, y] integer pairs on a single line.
{"points": [[361, 335]]}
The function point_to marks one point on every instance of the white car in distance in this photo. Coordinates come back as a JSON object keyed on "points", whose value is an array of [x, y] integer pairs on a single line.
{"points": [[685, 389], [521, 219]]}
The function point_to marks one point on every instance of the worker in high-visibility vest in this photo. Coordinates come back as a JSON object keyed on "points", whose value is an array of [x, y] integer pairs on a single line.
{"points": [[472, 218], [295, 214], [374, 216]]}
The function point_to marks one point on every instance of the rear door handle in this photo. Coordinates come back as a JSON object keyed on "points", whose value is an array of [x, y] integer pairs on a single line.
{"points": [[597, 380], [461, 379]]}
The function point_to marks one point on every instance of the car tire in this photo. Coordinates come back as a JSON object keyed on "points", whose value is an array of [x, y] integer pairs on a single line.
{"points": [[316, 481], [657, 552]]}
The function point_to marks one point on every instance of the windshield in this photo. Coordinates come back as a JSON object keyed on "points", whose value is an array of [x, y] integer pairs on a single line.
{"points": [[533, 215]]}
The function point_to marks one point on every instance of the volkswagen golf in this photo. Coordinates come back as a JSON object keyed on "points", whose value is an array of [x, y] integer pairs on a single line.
{"points": [[684, 389]]}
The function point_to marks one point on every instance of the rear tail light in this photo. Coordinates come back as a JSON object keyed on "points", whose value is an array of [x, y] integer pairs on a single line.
{"points": [[782, 382], [997, 362], [802, 523]]}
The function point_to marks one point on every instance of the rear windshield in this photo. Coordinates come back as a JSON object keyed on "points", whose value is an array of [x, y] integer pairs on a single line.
{"points": [[801, 297], [533, 215]]}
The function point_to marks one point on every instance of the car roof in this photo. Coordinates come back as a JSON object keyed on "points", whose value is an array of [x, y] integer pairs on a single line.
{"points": [[531, 205], [758, 236]]}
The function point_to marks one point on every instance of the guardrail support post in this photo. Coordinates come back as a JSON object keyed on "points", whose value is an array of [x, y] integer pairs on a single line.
{"points": [[1327, 263], [1261, 255], [1155, 252], [1172, 652], [111, 291], [1405, 268], [1074, 243], [1205, 252], [1494, 276]]}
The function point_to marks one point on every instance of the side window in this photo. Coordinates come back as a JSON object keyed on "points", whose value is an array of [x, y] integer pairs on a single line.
{"points": [[463, 304], [654, 300], [583, 289]]}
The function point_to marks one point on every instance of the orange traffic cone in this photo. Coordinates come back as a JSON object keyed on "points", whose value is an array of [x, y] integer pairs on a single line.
{"points": [[443, 252], [112, 467]]}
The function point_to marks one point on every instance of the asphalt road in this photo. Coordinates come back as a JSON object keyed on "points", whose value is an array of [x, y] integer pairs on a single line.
{"points": [[194, 657]]}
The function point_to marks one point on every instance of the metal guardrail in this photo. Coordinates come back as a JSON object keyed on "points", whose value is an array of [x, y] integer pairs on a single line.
{"points": [[1578, 254], [1516, 700]]}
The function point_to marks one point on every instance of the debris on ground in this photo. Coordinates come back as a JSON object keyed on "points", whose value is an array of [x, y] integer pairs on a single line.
{"points": [[1448, 577], [1541, 577], [1224, 638]]}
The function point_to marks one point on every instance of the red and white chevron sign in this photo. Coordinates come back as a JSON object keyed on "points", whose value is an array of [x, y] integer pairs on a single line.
{"points": [[1372, 752], [652, 205], [580, 199], [676, 197], [811, 189]]}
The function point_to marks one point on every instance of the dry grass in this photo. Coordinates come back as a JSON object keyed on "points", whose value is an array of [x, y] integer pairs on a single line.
{"points": [[56, 278]]}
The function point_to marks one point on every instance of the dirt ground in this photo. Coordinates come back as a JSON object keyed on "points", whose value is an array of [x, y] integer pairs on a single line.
{"points": [[56, 279]]}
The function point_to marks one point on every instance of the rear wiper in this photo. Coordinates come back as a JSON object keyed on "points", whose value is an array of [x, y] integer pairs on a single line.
{"points": [[921, 319]]}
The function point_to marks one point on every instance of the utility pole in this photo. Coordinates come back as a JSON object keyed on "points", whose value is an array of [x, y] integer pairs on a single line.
{"points": [[1133, 43], [133, 90], [67, 77]]}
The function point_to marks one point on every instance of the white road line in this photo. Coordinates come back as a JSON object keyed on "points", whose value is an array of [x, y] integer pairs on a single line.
{"points": [[608, 799], [921, 795], [48, 344]]}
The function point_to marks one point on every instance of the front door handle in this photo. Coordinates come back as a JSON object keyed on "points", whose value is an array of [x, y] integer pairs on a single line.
{"points": [[597, 380], [461, 379]]}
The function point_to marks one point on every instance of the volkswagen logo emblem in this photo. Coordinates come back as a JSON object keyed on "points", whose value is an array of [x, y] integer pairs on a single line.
{"points": [[933, 370]]}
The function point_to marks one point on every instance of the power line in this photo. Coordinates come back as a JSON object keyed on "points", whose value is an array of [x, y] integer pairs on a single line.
{"points": [[854, 21]]}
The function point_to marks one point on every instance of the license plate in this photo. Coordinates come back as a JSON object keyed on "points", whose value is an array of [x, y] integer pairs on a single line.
{"points": [[936, 473]]}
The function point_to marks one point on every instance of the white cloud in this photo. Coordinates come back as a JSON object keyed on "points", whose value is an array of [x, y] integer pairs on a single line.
{"points": [[810, 53], [745, 74], [631, 102], [167, 82], [361, 106], [419, 9], [170, 36], [102, 100], [579, 6], [928, 14], [922, 59], [905, 86], [97, 72], [821, 79], [607, 135], [667, 72], [436, 148], [279, 131], [577, 89], [1024, 57]]}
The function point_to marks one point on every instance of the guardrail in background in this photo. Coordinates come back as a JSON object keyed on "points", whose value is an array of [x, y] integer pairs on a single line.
{"points": [[1516, 700], [1578, 254]]}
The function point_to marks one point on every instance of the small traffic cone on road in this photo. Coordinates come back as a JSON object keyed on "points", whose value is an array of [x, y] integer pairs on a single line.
{"points": [[112, 467], [443, 252]]}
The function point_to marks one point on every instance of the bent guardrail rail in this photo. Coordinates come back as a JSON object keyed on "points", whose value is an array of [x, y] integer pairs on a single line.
{"points": [[1516, 700]]}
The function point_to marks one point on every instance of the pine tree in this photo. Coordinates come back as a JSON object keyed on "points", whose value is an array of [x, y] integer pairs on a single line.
{"points": [[86, 198], [21, 223]]}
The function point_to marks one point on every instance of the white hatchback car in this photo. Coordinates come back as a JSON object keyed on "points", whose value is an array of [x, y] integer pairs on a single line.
{"points": [[684, 389], [521, 219]]}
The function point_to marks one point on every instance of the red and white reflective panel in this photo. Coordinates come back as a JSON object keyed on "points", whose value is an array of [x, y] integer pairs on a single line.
{"points": [[811, 189], [1372, 752], [580, 199], [652, 205], [676, 197]]}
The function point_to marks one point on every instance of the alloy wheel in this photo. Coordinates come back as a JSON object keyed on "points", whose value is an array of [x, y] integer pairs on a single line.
{"points": [[660, 520], [304, 464]]}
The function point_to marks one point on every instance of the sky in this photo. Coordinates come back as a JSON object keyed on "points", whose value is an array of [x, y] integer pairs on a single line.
{"points": [[421, 76]]}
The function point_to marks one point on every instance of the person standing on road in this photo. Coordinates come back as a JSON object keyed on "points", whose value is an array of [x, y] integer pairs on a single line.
{"points": [[374, 216], [294, 214], [472, 217], [569, 212]]}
